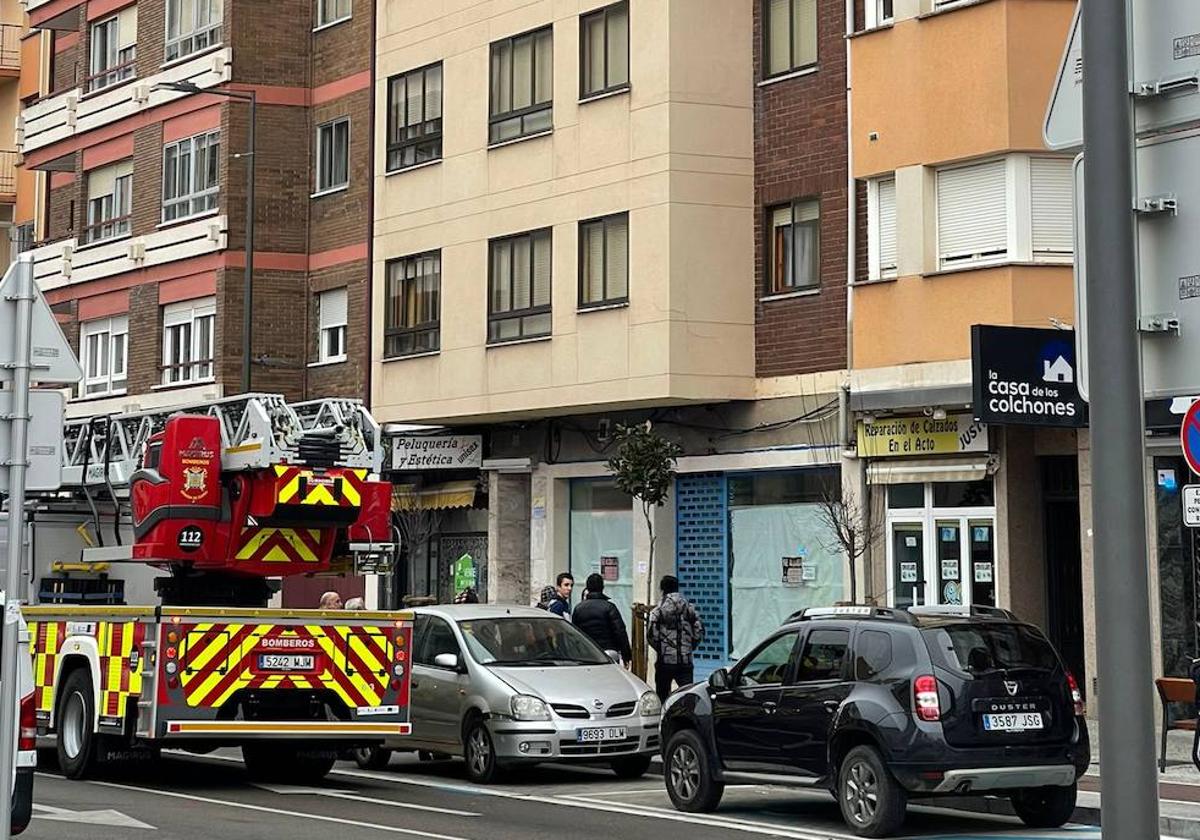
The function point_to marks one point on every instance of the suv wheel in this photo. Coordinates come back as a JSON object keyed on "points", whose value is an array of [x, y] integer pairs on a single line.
{"points": [[690, 782], [871, 800], [1044, 807]]}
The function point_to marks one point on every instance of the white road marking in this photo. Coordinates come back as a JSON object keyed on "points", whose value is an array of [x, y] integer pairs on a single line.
{"points": [[106, 816], [292, 790], [304, 815]]}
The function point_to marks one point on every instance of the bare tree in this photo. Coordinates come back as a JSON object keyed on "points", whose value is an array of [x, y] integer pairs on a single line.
{"points": [[415, 523], [851, 525]]}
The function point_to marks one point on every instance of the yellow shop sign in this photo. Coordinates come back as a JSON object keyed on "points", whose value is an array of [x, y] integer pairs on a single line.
{"points": [[900, 437]]}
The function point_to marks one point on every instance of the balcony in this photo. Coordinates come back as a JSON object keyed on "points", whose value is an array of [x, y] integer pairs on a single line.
{"points": [[10, 49]]}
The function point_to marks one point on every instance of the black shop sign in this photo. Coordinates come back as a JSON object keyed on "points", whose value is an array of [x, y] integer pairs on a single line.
{"points": [[1025, 376]]}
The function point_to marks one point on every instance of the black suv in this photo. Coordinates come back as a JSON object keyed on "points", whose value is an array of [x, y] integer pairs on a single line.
{"points": [[879, 705]]}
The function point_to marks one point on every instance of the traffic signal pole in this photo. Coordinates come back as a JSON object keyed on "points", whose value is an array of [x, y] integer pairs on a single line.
{"points": [[1128, 774]]}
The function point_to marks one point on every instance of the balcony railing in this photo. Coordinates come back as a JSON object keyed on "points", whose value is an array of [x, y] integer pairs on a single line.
{"points": [[110, 76], [8, 172], [10, 46], [107, 229]]}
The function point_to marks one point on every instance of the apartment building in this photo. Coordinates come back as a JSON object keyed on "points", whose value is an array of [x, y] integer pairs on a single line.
{"points": [[598, 213], [966, 219], [135, 130]]}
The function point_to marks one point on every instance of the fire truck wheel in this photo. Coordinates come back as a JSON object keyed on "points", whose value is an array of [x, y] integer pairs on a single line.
{"points": [[267, 762], [76, 738], [372, 758]]}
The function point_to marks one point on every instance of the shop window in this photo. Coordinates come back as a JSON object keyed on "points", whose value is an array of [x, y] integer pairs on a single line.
{"points": [[784, 487], [956, 494], [601, 537], [906, 496]]}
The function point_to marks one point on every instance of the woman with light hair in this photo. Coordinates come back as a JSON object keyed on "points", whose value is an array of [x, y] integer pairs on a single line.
{"points": [[330, 601], [356, 604]]}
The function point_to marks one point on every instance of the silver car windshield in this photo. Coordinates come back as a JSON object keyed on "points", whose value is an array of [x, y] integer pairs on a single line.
{"points": [[521, 640]]}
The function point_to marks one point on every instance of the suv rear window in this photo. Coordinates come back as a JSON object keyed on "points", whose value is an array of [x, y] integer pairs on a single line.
{"points": [[985, 648]]}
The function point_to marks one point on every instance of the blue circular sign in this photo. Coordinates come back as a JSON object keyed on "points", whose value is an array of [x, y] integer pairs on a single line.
{"points": [[1189, 437]]}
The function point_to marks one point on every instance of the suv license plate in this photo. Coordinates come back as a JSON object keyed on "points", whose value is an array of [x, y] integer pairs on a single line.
{"points": [[285, 662], [603, 733], [1018, 722]]}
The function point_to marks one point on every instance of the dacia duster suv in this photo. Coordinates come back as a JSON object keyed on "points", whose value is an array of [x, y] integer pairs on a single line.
{"points": [[881, 705]]}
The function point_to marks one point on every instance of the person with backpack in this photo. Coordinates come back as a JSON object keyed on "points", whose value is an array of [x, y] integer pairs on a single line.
{"points": [[674, 631], [601, 621]]}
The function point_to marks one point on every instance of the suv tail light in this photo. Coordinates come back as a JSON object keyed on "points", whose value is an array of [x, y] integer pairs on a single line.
{"points": [[925, 698], [1076, 695], [27, 734]]}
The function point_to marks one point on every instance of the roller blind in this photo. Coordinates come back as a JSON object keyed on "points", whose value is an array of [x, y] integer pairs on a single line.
{"points": [[972, 213]]}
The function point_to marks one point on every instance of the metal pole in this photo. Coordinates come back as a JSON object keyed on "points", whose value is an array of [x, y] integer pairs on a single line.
{"points": [[1128, 776], [248, 283], [19, 426]]}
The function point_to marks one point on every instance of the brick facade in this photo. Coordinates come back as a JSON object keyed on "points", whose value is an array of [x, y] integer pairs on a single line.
{"points": [[341, 379], [800, 153], [145, 339], [337, 217]]}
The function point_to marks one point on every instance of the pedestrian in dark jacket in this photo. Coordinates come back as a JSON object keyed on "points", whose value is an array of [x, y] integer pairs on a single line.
{"points": [[561, 604], [674, 631], [600, 619]]}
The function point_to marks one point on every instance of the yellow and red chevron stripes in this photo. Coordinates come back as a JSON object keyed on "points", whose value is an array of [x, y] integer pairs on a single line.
{"points": [[116, 641], [280, 545], [299, 486], [220, 659], [46, 639]]}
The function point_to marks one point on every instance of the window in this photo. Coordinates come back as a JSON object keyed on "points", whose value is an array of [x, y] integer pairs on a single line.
{"points": [[790, 32], [333, 155], [439, 639], [331, 314], [414, 118], [881, 213], [522, 88], [824, 656], [519, 286], [604, 50], [770, 665], [873, 654], [412, 319], [332, 11], [192, 26], [191, 177], [110, 202], [188, 329], [113, 49], [793, 247], [604, 260], [1052, 196], [104, 348], [880, 13], [972, 214], [22, 239]]}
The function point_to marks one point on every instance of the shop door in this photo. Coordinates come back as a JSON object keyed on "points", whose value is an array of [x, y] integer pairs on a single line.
{"points": [[943, 560], [907, 547]]}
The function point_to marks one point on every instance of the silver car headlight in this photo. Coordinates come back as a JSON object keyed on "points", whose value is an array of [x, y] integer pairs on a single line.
{"points": [[651, 706], [527, 707]]}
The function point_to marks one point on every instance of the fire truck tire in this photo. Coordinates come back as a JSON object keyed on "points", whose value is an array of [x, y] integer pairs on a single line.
{"points": [[77, 740], [268, 762], [372, 758]]}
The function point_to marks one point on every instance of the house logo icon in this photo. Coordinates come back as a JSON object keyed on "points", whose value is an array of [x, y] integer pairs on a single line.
{"points": [[1058, 371]]}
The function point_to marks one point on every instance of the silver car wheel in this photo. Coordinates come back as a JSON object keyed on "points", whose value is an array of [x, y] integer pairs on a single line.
{"points": [[479, 751], [685, 772], [861, 792], [71, 729]]}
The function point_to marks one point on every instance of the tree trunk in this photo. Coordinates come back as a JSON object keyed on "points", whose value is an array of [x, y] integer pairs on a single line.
{"points": [[650, 558]]}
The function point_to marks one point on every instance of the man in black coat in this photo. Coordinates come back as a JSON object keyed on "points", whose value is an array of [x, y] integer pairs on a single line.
{"points": [[600, 619]]}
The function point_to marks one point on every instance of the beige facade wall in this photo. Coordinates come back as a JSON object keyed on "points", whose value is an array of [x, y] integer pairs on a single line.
{"points": [[675, 152]]}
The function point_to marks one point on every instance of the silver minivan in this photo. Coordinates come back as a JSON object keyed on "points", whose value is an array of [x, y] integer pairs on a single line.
{"points": [[501, 686]]}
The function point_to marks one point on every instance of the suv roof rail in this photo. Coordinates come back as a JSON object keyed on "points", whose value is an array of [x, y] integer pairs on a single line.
{"points": [[973, 611], [851, 611]]}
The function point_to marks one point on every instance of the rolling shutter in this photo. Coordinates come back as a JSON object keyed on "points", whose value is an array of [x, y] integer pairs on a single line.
{"points": [[885, 225], [1051, 195], [972, 214]]}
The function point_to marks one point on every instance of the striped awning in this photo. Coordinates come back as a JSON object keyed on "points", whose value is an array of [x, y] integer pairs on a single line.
{"points": [[450, 494], [921, 470]]}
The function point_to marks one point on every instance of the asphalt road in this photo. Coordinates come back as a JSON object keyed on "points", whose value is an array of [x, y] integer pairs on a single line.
{"points": [[209, 798]]}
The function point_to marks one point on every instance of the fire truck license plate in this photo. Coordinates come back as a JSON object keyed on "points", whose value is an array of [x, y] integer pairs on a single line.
{"points": [[285, 662]]}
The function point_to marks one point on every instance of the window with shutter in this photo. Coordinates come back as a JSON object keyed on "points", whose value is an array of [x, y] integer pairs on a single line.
{"points": [[793, 247], [972, 214], [604, 261], [519, 277], [882, 242], [331, 315], [1052, 208]]}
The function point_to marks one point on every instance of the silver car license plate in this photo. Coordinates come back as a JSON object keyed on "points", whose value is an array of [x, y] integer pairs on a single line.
{"points": [[600, 733], [1015, 722]]}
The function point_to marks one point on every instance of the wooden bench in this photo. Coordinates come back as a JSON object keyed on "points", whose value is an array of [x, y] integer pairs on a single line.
{"points": [[1174, 690]]}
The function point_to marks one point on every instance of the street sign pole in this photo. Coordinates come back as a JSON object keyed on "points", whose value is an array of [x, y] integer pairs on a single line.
{"points": [[19, 430], [1129, 778]]}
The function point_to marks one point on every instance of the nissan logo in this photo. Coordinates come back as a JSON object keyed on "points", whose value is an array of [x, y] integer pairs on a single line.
{"points": [[598, 703]]}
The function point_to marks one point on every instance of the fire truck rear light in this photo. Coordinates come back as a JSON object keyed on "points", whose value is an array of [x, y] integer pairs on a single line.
{"points": [[172, 683], [395, 685], [171, 653], [172, 637], [172, 668], [925, 698], [27, 737], [398, 670]]}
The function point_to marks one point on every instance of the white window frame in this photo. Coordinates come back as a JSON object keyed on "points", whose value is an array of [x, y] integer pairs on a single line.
{"points": [[200, 364], [99, 337], [114, 63], [196, 202], [108, 216], [323, 10], [335, 327], [201, 34], [877, 16], [876, 270], [324, 186]]}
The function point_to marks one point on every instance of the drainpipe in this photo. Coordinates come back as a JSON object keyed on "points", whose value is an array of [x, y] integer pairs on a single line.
{"points": [[851, 198]]}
